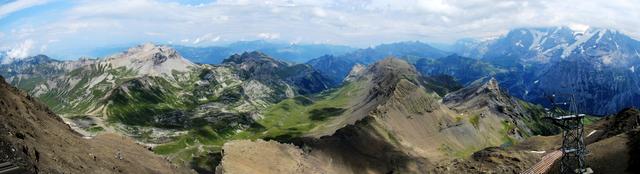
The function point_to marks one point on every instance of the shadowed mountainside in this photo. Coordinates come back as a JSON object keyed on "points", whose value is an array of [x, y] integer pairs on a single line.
{"points": [[38, 141]]}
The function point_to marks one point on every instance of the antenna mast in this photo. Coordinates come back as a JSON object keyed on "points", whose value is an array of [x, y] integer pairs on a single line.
{"points": [[573, 147]]}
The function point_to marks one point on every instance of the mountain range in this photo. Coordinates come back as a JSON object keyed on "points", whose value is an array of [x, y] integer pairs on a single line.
{"points": [[403, 107], [187, 111], [597, 66], [393, 122], [297, 53], [155, 95]]}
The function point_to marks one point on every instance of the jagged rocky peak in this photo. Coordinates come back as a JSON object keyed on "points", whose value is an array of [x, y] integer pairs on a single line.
{"points": [[480, 93], [38, 59], [253, 58], [256, 64], [492, 85], [356, 71], [393, 66], [151, 59], [481, 86], [389, 75], [152, 52]]}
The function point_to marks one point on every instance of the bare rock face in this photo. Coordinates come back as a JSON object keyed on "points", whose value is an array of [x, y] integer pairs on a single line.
{"points": [[37, 141], [355, 72], [479, 94], [150, 59], [272, 72]]}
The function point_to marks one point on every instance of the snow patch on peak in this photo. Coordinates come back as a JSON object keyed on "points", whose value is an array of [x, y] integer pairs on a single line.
{"points": [[537, 40], [519, 43], [607, 60], [600, 35], [579, 41]]}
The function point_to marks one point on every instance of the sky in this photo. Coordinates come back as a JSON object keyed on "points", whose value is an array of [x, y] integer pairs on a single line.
{"points": [[70, 29]]}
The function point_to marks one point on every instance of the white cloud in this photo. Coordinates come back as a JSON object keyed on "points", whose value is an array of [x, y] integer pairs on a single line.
{"points": [[18, 5], [44, 47], [209, 37], [18, 52], [215, 39], [153, 33], [269, 35], [578, 27], [319, 12], [87, 24], [437, 6]]}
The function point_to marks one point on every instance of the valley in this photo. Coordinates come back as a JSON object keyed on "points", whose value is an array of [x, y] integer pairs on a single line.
{"points": [[187, 111], [402, 107]]}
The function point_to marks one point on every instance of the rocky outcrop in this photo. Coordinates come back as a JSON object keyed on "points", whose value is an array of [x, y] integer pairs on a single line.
{"points": [[272, 72]]}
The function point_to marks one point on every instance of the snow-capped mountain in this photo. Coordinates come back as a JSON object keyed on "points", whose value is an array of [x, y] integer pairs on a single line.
{"points": [[597, 65], [543, 45]]}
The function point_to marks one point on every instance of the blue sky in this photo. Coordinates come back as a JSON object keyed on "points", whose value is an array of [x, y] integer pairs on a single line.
{"points": [[69, 29]]}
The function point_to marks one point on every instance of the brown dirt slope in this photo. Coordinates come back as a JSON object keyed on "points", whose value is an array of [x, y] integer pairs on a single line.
{"points": [[615, 148], [246, 156], [34, 138]]}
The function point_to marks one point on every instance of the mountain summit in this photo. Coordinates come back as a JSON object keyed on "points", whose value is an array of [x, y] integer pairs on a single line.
{"points": [[150, 59]]}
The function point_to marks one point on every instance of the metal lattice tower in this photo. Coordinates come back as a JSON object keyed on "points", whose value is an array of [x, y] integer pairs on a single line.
{"points": [[573, 147]]}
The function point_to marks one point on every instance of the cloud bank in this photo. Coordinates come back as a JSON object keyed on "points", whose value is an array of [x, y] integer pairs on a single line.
{"points": [[79, 26]]}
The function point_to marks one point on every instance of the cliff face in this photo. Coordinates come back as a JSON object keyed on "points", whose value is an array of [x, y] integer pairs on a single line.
{"points": [[38, 141]]}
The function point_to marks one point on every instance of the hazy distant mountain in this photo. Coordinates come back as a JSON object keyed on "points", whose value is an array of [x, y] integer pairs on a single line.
{"points": [[337, 66], [600, 64], [545, 45], [410, 51], [3, 56], [288, 52], [465, 70]]}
